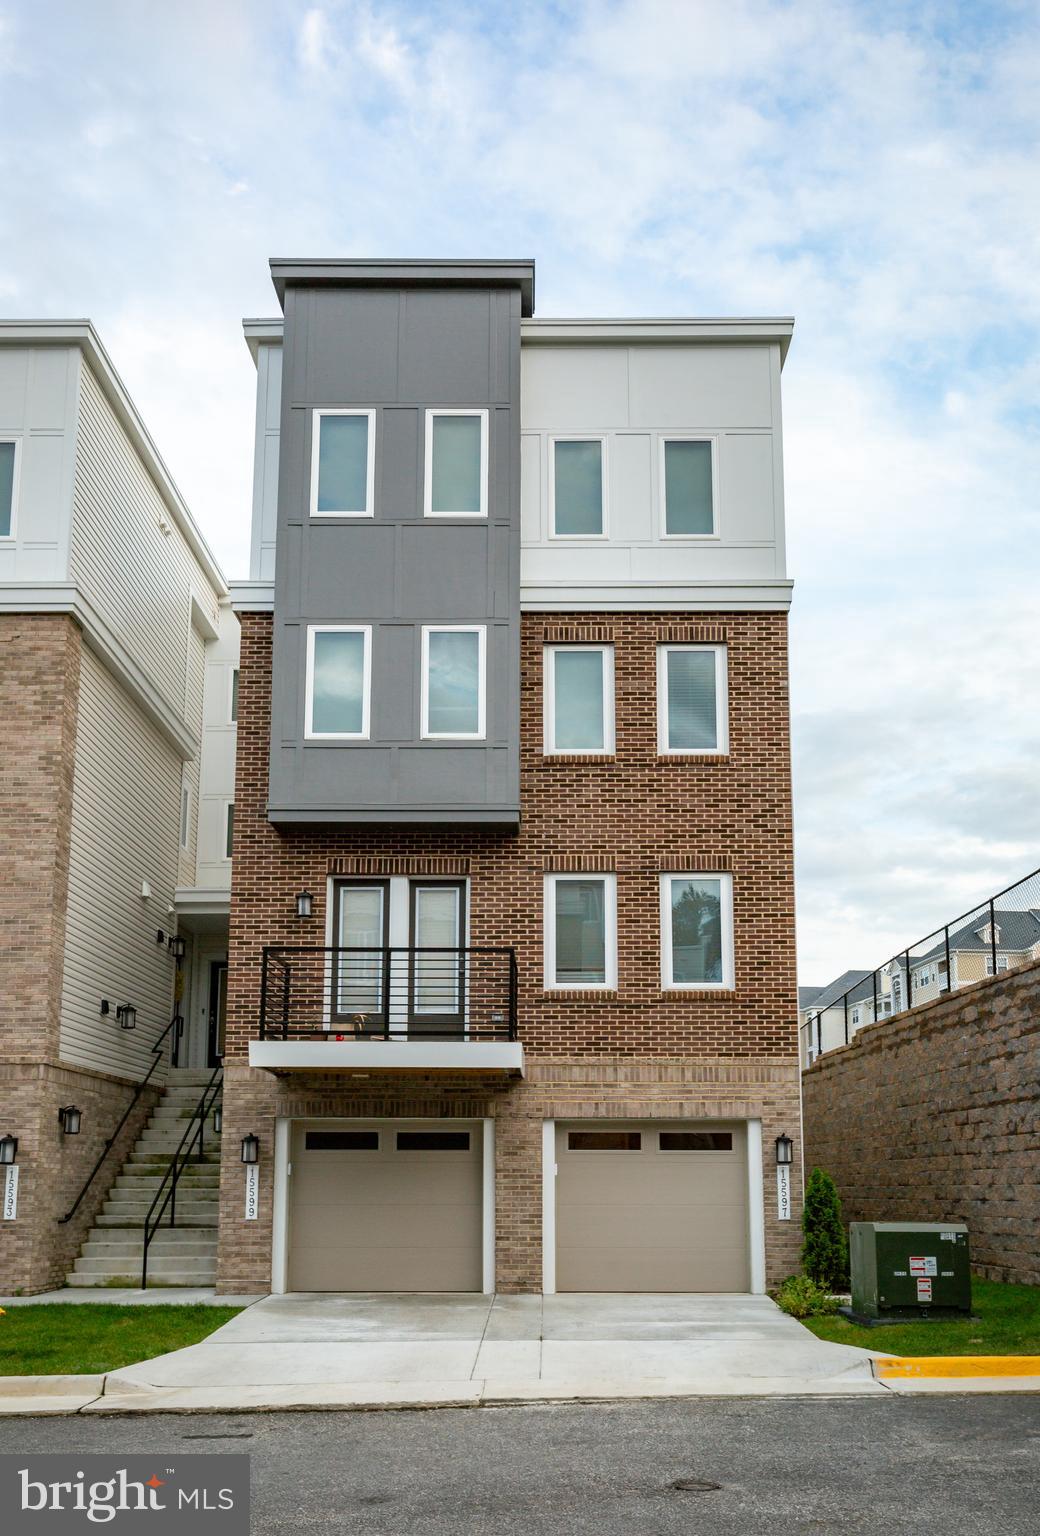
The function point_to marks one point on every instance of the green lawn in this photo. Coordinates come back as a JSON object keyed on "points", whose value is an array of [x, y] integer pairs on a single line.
{"points": [[1006, 1322], [66, 1339]]}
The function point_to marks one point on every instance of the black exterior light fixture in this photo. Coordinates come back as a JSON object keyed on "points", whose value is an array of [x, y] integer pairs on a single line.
{"points": [[250, 1149], [69, 1119], [304, 904], [8, 1150], [126, 1013], [218, 1120], [176, 946], [784, 1151]]}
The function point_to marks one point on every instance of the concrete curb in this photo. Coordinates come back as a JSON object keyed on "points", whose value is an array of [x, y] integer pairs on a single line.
{"points": [[956, 1367], [52, 1386]]}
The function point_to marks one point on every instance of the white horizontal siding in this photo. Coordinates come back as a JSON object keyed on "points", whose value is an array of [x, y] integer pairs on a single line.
{"points": [[196, 675], [125, 813], [127, 555]]}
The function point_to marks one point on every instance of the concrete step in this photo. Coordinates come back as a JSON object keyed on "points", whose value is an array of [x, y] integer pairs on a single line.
{"points": [[135, 1217], [199, 1181], [158, 1264], [133, 1281], [128, 1244]]}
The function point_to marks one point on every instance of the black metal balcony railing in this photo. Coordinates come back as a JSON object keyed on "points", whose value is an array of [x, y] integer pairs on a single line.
{"points": [[389, 994]]}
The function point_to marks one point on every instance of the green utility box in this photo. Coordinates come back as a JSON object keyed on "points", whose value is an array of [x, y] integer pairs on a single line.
{"points": [[909, 1269]]}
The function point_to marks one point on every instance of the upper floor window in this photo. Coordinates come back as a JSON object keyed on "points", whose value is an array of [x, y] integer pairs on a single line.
{"points": [[692, 714], [233, 697], [580, 937], [579, 698], [578, 499], [8, 486], [453, 665], [343, 463], [339, 680], [687, 473], [696, 930], [456, 477]]}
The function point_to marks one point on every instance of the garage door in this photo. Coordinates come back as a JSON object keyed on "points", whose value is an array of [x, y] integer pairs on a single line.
{"points": [[651, 1207], [385, 1206]]}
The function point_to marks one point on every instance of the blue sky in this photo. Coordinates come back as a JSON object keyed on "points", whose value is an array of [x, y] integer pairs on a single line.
{"points": [[872, 169]]}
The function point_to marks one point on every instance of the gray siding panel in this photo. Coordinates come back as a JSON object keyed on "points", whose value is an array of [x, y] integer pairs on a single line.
{"points": [[401, 353]]}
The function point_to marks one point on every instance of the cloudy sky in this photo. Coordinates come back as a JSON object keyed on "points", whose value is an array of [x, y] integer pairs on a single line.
{"points": [[872, 169]]}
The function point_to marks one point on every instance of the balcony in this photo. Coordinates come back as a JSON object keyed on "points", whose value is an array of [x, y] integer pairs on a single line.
{"points": [[388, 1010]]}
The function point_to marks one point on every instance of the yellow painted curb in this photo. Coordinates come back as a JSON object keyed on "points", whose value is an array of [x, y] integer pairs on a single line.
{"points": [[958, 1365]]}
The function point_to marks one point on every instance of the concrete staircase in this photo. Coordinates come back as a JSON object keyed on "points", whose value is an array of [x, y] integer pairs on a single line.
{"points": [[182, 1255]]}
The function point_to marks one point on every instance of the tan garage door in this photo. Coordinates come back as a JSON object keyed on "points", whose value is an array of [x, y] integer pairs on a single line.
{"points": [[385, 1206], [651, 1207]]}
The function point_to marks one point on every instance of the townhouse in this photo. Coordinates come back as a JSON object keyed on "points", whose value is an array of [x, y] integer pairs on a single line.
{"points": [[116, 766], [511, 989]]}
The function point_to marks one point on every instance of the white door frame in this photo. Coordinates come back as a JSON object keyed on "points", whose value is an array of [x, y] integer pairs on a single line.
{"points": [[283, 1135]]}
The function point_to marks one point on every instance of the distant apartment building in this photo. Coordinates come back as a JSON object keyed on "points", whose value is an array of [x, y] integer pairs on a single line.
{"points": [[116, 770]]}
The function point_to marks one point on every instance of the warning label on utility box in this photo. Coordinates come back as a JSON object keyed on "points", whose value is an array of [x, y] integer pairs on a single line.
{"points": [[924, 1290], [924, 1266]]}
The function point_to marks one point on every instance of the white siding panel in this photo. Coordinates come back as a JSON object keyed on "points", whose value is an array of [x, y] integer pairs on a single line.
{"points": [[700, 387], [195, 680], [128, 556], [38, 392], [265, 461], [125, 808]]}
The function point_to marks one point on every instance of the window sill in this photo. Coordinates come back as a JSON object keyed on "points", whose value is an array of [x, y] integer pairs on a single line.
{"points": [[687, 994], [693, 757], [580, 994], [579, 757]]}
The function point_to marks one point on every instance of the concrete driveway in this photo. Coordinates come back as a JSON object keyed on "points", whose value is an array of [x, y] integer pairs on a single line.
{"points": [[355, 1350]]}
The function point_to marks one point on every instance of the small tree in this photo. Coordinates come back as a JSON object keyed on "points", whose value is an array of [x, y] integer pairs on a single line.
{"points": [[825, 1253]]}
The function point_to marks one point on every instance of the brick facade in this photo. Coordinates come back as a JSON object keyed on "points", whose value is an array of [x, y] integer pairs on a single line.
{"points": [[637, 1051], [39, 697], [932, 1116]]}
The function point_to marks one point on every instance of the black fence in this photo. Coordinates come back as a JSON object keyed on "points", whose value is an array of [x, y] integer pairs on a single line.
{"points": [[996, 936], [388, 994]]}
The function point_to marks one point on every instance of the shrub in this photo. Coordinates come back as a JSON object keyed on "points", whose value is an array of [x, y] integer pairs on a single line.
{"points": [[825, 1252], [801, 1297]]}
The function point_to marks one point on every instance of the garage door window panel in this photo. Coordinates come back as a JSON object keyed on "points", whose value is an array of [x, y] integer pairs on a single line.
{"points": [[341, 1141], [604, 1141], [695, 1141], [433, 1141]]}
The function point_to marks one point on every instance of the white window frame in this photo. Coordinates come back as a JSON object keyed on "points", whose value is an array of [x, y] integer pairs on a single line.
{"points": [[721, 748], [366, 697], [581, 437], [10, 437], [229, 810], [184, 827], [726, 913], [317, 416], [232, 710], [549, 747], [687, 437], [454, 410], [480, 734], [610, 959]]}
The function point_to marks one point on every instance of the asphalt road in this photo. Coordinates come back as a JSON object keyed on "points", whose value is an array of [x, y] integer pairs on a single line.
{"points": [[961, 1465]]}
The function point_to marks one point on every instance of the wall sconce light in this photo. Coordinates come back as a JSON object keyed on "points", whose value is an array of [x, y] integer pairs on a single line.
{"points": [[126, 1013], [177, 947], [8, 1149], [69, 1119], [218, 1119], [160, 937], [304, 904], [784, 1151], [250, 1149]]}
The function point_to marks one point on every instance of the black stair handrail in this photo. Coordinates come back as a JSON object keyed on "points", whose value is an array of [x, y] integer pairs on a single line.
{"points": [[178, 1163], [176, 1024]]}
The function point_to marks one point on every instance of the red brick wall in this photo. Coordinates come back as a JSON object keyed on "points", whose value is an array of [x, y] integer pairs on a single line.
{"points": [[632, 813], [932, 1116]]}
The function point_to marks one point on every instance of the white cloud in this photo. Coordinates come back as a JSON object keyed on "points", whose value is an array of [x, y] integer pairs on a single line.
{"points": [[871, 169]]}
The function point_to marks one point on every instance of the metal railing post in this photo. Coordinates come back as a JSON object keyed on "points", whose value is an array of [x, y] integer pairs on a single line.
{"points": [[909, 983], [993, 934], [846, 1002], [386, 990], [949, 967], [263, 995], [285, 1001]]}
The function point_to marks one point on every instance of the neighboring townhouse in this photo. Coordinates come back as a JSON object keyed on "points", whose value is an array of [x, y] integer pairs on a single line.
{"points": [[512, 999], [825, 1020], [113, 614]]}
